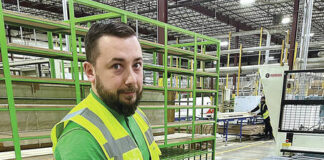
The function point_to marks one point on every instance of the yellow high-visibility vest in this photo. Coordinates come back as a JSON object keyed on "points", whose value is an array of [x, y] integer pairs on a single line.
{"points": [[112, 137], [265, 115]]}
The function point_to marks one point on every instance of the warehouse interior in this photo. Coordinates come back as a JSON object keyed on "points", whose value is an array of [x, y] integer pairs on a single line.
{"points": [[207, 65]]}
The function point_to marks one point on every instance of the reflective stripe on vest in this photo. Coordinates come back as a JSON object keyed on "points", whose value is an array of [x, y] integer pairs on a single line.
{"points": [[265, 115], [114, 148], [148, 133]]}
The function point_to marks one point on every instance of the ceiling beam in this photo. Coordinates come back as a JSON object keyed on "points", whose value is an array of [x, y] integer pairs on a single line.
{"points": [[59, 10], [228, 20]]}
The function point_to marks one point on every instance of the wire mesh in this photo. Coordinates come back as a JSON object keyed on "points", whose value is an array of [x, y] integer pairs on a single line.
{"points": [[200, 150], [302, 108], [303, 118]]}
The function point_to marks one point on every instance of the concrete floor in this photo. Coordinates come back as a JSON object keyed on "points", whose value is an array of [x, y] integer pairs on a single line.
{"points": [[245, 150], [234, 150]]}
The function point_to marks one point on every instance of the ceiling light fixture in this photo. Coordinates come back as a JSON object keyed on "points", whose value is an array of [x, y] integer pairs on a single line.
{"points": [[285, 20], [311, 34], [224, 43], [247, 2]]}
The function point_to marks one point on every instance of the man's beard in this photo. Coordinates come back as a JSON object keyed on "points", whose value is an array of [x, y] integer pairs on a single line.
{"points": [[112, 99]]}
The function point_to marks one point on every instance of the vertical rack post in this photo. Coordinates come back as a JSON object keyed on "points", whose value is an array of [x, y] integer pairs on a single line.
{"points": [[165, 84], [179, 98], [194, 88], [154, 73], [171, 83], [51, 60], [295, 56], [282, 53], [74, 52], [216, 99], [71, 62], [260, 44], [62, 61], [124, 18], [239, 72], [286, 51], [80, 52], [188, 93], [259, 61], [228, 56], [8, 83]]}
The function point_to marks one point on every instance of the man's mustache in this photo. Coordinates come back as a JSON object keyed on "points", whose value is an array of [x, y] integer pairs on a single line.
{"points": [[127, 90]]}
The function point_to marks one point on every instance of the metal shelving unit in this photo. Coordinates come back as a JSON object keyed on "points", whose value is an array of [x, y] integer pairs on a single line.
{"points": [[201, 145]]}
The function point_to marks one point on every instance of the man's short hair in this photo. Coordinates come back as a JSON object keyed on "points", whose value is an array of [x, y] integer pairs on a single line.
{"points": [[98, 30]]}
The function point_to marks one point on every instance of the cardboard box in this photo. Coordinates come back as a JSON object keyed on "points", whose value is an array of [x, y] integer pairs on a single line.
{"points": [[315, 92]]}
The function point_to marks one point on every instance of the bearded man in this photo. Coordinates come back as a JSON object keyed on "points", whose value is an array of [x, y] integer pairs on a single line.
{"points": [[107, 124]]}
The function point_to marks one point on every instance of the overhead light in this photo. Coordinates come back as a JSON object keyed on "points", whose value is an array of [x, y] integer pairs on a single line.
{"points": [[247, 2], [311, 34], [285, 20], [250, 51], [224, 43]]}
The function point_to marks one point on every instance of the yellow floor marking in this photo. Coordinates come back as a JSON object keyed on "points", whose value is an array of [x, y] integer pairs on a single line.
{"points": [[235, 149]]}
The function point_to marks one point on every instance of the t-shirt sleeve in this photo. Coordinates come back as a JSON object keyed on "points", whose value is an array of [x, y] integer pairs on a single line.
{"points": [[77, 143], [255, 109]]}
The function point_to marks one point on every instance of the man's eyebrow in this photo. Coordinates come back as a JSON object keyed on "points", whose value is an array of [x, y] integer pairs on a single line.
{"points": [[118, 59], [139, 59]]}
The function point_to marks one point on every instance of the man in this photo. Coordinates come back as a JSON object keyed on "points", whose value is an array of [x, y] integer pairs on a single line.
{"points": [[107, 123], [265, 115]]}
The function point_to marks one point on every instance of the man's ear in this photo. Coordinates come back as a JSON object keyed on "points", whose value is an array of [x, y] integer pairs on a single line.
{"points": [[89, 71]]}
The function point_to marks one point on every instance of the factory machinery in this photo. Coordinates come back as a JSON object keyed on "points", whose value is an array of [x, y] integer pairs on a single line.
{"points": [[301, 121]]}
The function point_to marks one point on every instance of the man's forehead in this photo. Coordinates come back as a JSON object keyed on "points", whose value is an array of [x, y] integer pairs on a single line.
{"points": [[120, 48]]}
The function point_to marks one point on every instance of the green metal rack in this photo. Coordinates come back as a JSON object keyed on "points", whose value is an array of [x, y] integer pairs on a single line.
{"points": [[180, 148]]}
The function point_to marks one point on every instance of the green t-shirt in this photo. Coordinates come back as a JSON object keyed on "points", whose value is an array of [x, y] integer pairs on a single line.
{"points": [[77, 143]]}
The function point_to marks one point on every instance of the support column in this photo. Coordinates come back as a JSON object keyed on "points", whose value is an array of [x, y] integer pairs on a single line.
{"points": [[235, 59], [293, 35], [163, 17], [305, 36]]}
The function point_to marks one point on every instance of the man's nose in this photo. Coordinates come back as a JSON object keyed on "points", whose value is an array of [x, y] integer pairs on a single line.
{"points": [[130, 77]]}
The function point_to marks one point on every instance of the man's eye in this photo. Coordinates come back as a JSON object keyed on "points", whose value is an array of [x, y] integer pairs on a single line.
{"points": [[137, 65], [116, 66]]}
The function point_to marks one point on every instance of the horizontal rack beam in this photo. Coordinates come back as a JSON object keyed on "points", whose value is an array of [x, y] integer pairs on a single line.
{"points": [[38, 109], [42, 52], [185, 154], [183, 123], [71, 82], [192, 44], [99, 5], [12, 17], [23, 19], [96, 17], [160, 68], [64, 55], [185, 140], [174, 107]]}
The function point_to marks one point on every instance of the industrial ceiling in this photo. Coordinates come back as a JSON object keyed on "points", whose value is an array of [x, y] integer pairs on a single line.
{"points": [[209, 17]]}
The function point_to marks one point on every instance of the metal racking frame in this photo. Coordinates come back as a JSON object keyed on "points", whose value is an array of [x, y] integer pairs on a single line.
{"points": [[70, 27]]}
